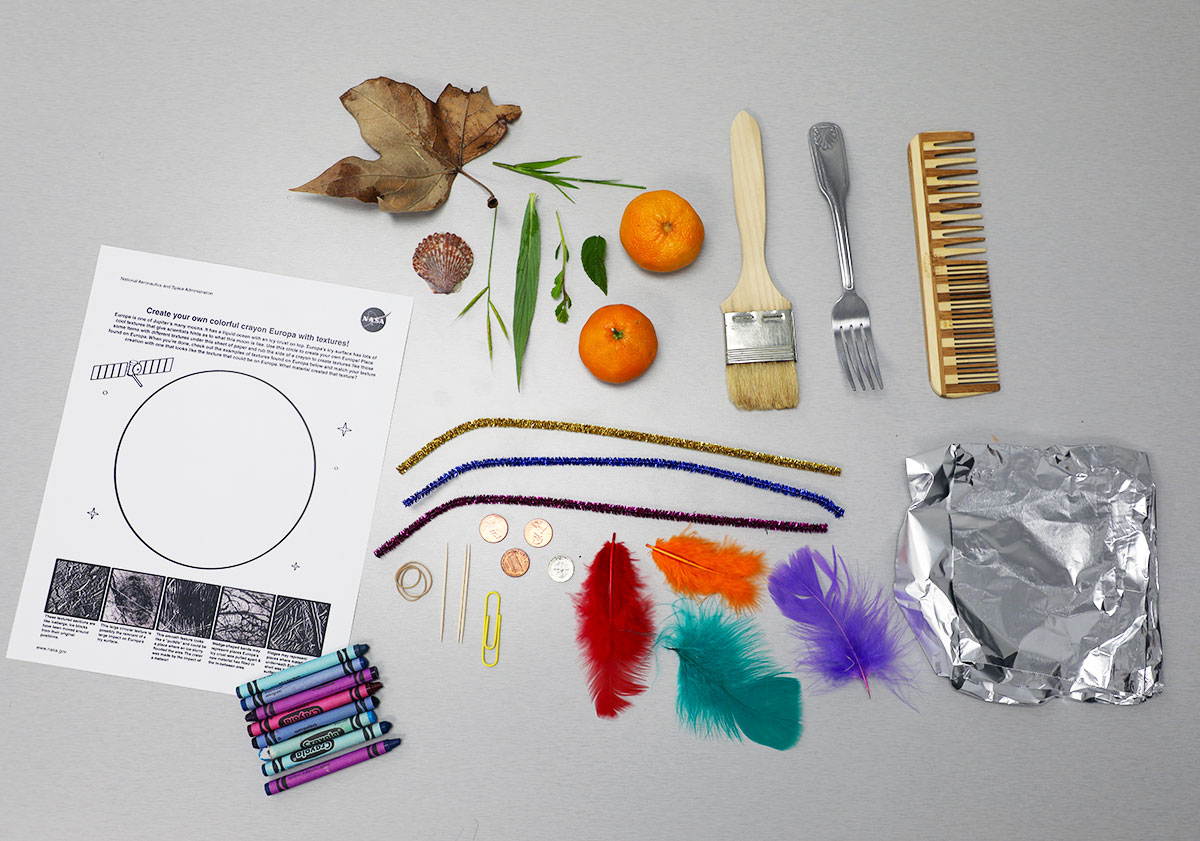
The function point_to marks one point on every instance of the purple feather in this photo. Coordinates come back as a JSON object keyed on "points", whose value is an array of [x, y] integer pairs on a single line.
{"points": [[847, 631]]}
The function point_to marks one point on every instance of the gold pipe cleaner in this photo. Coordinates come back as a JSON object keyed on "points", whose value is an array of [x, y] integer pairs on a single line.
{"points": [[615, 432]]}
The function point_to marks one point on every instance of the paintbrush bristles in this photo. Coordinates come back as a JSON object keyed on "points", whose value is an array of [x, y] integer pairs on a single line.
{"points": [[763, 385]]}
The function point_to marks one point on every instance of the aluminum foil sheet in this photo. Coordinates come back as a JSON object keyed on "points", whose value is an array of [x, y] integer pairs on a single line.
{"points": [[1028, 574]]}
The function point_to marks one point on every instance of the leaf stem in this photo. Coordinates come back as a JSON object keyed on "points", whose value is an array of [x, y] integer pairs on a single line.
{"points": [[492, 201]]}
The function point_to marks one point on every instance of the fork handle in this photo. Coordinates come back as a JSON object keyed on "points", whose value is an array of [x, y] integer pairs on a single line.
{"points": [[828, 151]]}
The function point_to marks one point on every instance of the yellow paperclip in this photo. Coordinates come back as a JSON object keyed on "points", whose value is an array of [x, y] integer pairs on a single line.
{"points": [[487, 621]]}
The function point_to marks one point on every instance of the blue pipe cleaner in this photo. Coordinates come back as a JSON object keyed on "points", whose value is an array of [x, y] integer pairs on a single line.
{"points": [[617, 461]]}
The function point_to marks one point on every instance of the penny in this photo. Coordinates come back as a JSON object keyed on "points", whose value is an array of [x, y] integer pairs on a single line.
{"points": [[538, 533], [561, 568], [515, 563], [493, 528]]}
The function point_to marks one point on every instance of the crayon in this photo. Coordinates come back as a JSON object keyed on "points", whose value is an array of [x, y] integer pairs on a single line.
{"points": [[258, 699], [316, 748], [274, 737], [314, 772], [332, 731], [343, 655], [321, 705], [291, 702]]}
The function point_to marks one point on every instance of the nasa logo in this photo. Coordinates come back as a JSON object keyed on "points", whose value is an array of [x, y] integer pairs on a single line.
{"points": [[373, 319]]}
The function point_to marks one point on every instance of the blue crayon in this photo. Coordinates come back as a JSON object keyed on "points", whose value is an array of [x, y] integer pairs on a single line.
{"points": [[342, 655], [258, 699], [274, 737], [332, 731], [321, 748]]}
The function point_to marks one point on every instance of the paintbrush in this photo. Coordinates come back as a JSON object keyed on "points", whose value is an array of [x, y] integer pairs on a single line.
{"points": [[760, 345]]}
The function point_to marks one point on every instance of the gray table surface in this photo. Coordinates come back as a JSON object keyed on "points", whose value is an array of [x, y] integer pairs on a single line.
{"points": [[178, 130]]}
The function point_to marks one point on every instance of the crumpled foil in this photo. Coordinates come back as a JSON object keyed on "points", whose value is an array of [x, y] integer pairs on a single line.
{"points": [[1028, 574]]}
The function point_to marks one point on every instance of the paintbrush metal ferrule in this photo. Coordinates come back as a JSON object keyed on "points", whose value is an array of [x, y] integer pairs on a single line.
{"points": [[759, 336]]}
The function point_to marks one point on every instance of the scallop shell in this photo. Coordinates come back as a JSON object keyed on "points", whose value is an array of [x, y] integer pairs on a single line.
{"points": [[444, 261]]}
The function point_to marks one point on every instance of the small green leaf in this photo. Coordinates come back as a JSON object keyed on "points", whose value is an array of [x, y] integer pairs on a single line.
{"points": [[499, 318], [478, 295], [592, 256], [546, 164]]}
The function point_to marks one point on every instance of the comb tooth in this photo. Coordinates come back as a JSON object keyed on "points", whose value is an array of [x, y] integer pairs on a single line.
{"points": [[946, 216], [947, 161], [941, 229], [938, 172], [949, 251], [947, 199], [943, 182]]}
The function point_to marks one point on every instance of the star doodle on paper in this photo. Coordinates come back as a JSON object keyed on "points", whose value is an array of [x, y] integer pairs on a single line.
{"points": [[295, 566], [93, 514], [344, 428]]}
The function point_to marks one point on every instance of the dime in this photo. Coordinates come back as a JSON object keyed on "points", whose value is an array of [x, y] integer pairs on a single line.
{"points": [[561, 568], [493, 528], [515, 563], [538, 533]]}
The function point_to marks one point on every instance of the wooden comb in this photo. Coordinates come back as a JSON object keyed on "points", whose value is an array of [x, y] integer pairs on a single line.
{"points": [[960, 334]]}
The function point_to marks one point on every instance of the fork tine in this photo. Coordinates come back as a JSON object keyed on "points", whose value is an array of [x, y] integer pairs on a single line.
{"points": [[863, 359], [870, 344], [839, 341], [854, 356]]}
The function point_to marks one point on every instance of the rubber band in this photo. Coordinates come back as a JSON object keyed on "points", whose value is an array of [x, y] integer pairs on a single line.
{"points": [[598, 508], [605, 461], [409, 591], [614, 432]]}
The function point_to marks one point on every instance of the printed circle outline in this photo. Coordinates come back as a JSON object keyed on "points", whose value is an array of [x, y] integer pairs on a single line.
{"points": [[308, 500]]}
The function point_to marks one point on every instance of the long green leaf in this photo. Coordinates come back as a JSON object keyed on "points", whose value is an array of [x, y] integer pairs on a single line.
{"points": [[529, 260], [592, 257]]}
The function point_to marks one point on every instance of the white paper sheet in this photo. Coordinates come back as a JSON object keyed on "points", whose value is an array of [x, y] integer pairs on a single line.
{"points": [[208, 506]]}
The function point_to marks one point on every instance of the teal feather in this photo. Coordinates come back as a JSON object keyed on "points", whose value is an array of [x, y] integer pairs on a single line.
{"points": [[727, 683]]}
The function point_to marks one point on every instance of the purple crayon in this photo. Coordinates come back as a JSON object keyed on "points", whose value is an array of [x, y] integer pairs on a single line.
{"points": [[314, 772], [317, 707], [316, 693]]}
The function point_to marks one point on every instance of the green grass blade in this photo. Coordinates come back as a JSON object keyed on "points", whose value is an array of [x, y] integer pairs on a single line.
{"points": [[529, 260]]}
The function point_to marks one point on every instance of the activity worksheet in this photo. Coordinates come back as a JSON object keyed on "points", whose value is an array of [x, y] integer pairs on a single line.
{"points": [[207, 511]]}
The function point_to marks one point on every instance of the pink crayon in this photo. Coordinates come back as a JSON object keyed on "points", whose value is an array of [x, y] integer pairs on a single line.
{"points": [[321, 705], [314, 772], [299, 699]]}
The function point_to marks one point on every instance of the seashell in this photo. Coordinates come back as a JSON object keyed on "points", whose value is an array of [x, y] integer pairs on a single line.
{"points": [[444, 261]]}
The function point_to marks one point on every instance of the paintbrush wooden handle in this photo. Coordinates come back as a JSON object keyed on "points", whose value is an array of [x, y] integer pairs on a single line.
{"points": [[754, 290]]}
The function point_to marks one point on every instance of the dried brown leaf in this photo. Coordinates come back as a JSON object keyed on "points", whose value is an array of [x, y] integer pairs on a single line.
{"points": [[422, 145]]}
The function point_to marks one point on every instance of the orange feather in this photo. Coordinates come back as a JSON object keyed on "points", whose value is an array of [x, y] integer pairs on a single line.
{"points": [[695, 566]]}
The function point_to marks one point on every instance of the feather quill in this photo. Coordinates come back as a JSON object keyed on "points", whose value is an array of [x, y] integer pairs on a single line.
{"points": [[695, 566], [727, 684], [845, 628], [616, 628]]}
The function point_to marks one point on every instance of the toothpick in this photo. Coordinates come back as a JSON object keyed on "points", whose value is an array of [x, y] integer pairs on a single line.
{"points": [[445, 575], [462, 603]]}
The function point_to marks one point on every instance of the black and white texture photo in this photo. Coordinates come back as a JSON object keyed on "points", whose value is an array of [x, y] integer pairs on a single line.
{"points": [[244, 617], [77, 589], [133, 598], [299, 626]]}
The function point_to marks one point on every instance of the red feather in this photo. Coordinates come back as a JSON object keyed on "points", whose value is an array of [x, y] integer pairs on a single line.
{"points": [[616, 628]]}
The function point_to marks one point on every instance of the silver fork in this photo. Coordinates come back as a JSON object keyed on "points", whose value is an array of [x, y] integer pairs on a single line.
{"points": [[851, 318]]}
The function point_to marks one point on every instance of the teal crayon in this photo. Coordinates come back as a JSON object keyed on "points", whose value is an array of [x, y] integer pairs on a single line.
{"points": [[314, 708], [314, 748], [283, 690], [334, 658], [331, 731], [344, 760]]}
